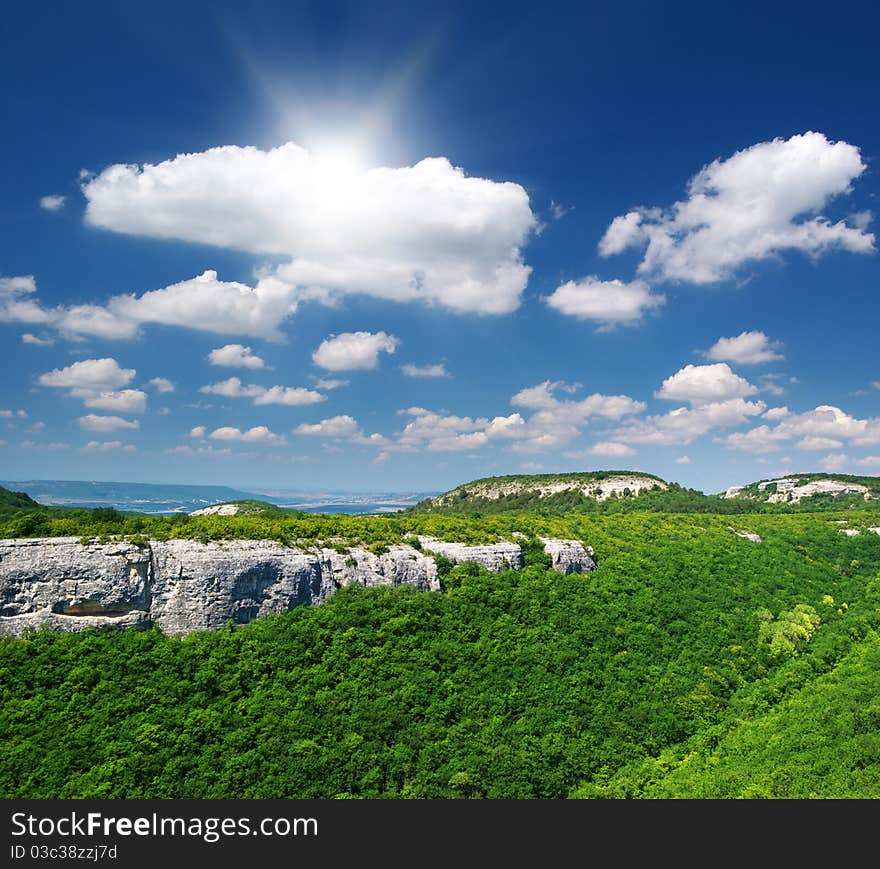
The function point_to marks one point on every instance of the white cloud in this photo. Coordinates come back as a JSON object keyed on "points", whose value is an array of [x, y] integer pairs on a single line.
{"points": [[353, 351], [232, 388], [209, 450], [28, 338], [235, 356], [258, 434], [335, 427], [834, 462], [823, 424], [16, 302], [32, 445], [758, 203], [197, 432], [436, 370], [705, 384], [96, 374], [556, 422], [108, 446], [818, 443], [611, 448], [683, 425], [94, 422], [330, 383], [683, 460], [762, 439], [54, 202], [776, 413], [36, 427], [161, 384], [292, 396], [124, 401], [9, 414], [869, 462], [609, 303], [747, 348], [419, 233]]}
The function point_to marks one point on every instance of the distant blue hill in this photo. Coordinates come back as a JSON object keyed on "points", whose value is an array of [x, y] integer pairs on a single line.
{"points": [[176, 498], [140, 497]]}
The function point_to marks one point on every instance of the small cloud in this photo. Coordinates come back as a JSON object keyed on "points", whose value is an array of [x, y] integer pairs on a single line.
{"points": [[437, 370], [834, 462], [164, 411], [28, 338], [94, 422], [330, 383], [683, 460], [611, 448], [354, 351], [161, 384], [54, 202], [558, 211], [31, 445], [197, 432], [235, 356], [256, 434], [108, 446], [747, 348], [9, 414], [37, 426]]}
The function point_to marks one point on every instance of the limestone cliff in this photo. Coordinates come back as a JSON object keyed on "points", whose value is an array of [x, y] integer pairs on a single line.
{"points": [[184, 585]]}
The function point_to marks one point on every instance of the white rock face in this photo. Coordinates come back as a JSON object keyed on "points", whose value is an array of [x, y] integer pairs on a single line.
{"points": [[493, 556], [218, 510], [569, 556], [66, 578], [199, 586], [746, 535], [850, 532], [599, 489], [875, 530], [182, 585], [789, 490], [733, 492]]}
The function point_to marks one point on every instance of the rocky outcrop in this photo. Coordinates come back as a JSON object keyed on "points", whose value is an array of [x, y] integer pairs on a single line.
{"points": [[183, 585], [547, 485], [569, 556], [64, 577], [493, 556], [746, 535]]}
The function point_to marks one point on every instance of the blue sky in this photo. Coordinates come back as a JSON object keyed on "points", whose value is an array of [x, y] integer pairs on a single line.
{"points": [[344, 246]]}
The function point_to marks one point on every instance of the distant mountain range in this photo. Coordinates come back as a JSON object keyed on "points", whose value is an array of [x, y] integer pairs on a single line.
{"points": [[161, 498]]}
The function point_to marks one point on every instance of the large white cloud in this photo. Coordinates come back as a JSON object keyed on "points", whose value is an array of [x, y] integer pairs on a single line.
{"points": [[95, 374], [204, 302], [747, 348], [824, 427], [758, 203], [353, 351], [426, 232], [683, 425], [705, 384], [609, 303]]}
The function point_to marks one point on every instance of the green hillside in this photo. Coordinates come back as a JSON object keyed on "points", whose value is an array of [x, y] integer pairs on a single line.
{"points": [[692, 662]]}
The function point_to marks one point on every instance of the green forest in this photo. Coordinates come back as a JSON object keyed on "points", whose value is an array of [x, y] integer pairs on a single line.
{"points": [[693, 663]]}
